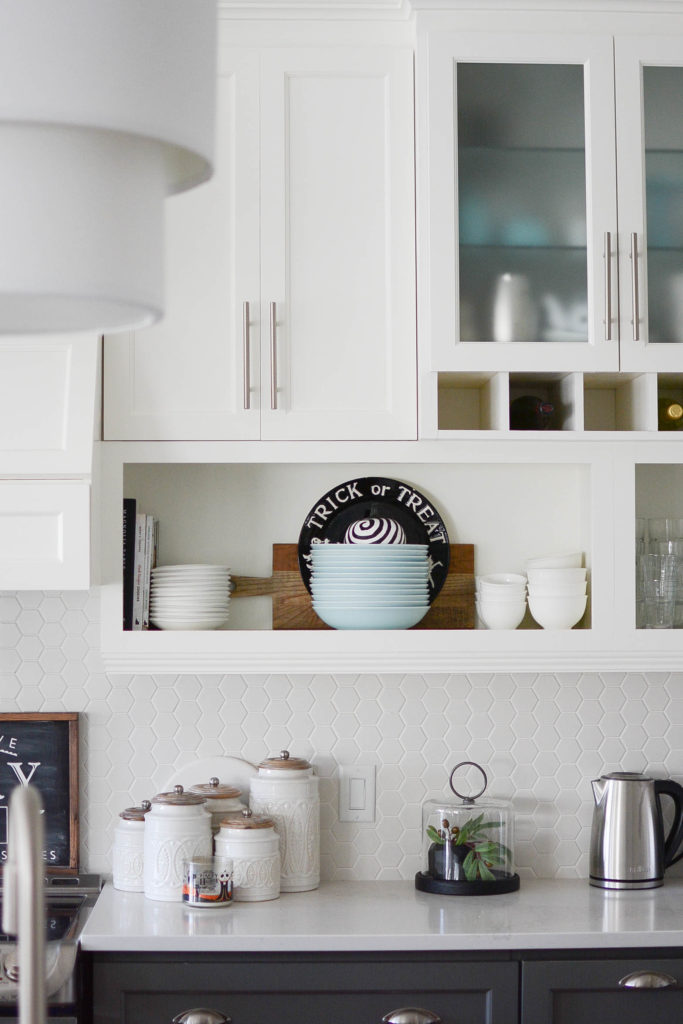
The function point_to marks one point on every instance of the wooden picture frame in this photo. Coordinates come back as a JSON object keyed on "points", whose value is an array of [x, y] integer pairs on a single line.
{"points": [[42, 748]]}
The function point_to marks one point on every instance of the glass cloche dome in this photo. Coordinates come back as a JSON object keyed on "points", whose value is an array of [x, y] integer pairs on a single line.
{"points": [[467, 843]]}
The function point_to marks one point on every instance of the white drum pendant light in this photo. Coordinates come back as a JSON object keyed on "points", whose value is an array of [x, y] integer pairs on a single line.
{"points": [[106, 107]]}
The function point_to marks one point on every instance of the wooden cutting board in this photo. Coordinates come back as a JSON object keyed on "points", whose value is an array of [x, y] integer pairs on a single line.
{"points": [[453, 608]]}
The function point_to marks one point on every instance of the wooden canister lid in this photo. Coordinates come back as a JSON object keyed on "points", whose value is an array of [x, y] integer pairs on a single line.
{"points": [[178, 797], [136, 813], [213, 790], [284, 760], [247, 819]]}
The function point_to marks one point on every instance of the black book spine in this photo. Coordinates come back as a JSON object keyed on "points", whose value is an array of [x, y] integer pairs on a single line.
{"points": [[129, 510]]}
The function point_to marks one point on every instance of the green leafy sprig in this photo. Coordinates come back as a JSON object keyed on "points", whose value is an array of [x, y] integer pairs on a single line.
{"points": [[483, 852]]}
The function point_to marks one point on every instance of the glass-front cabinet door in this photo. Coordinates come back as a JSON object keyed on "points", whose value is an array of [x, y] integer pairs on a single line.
{"points": [[520, 189], [649, 91]]}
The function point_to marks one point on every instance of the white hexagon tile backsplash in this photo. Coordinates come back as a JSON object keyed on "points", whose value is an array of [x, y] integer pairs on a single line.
{"points": [[541, 738]]}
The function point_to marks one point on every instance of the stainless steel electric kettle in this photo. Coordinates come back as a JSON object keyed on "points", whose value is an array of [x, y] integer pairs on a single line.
{"points": [[629, 848]]}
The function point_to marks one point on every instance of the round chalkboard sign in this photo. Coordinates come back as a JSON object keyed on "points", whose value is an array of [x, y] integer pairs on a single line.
{"points": [[376, 510]]}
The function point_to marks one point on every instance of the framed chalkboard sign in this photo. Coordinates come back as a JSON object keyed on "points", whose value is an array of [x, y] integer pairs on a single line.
{"points": [[43, 749]]}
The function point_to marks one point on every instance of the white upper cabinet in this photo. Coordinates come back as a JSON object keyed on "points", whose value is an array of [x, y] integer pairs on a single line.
{"points": [[649, 90], [184, 378], [291, 275], [338, 242], [517, 174]]}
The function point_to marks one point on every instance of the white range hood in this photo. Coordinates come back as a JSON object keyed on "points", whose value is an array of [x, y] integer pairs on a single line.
{"points": [[48, 390], [48, 407]]}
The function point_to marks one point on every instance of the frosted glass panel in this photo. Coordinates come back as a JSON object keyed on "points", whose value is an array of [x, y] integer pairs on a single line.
{"points": [[663, 113], [522, 203]]}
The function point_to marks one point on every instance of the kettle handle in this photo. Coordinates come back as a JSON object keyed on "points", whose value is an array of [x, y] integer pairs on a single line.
{"points": [[675, 837]]}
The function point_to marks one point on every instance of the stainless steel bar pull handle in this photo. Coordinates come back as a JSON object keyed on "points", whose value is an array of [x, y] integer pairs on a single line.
{"points": [[607, 254], [201, 1015], [411, 1015], [246, 355], [635, 286], [273, 355], [648, 979]]}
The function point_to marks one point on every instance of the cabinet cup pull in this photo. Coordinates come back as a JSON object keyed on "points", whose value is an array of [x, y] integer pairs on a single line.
{"points": [[246, 353], [200, 1015], [273, 355], [411, 1015], [635, 287], [608, 285], [648, 979]]}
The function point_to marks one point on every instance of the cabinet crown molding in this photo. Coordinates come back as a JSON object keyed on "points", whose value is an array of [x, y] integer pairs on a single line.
{"points": [[370, 9], [314, 9], [547, 6]]}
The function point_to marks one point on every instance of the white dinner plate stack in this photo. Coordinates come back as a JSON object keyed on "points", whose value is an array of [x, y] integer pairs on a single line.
{"points": [[370, 586], [190, 596]]}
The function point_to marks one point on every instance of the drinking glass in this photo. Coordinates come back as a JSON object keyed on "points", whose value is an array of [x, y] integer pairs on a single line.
{"points": [[675, 548], [641, 537], [664, 529], [659, 573], [641, 549]]}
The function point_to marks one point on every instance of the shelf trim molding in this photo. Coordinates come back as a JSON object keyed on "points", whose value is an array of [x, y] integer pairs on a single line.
{"points": [[357, 662]]}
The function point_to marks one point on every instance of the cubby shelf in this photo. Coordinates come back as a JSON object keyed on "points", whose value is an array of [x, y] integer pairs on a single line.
{"points": [[619, 404]]}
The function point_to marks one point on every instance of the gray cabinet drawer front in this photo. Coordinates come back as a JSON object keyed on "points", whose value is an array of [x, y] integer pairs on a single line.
{"points": [[303, 989], [587, 991]]}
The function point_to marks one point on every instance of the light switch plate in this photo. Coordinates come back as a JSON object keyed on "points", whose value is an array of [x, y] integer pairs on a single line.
{"points": [[357, 792]]}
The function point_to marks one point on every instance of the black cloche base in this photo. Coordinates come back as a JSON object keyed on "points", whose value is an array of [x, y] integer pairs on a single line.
{"points": [[426, 883]]}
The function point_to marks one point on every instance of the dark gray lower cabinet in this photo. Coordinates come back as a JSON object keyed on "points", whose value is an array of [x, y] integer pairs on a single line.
{"points": [[551, 987], [618, 991], [301, 988]]}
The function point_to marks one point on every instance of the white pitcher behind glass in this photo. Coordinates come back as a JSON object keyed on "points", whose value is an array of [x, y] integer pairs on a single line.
{"points": [[515, 314]]}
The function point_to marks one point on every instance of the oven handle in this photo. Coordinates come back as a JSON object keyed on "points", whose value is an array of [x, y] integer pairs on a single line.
{"points": [[50, 1020]]}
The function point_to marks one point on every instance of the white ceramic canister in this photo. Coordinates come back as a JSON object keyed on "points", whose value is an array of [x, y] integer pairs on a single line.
{"points": [[177, 828], [221, 800], [253, 845], [287, 791], [128, 850]]}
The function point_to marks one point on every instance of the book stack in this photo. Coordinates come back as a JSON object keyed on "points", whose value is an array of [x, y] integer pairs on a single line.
{"points": [[140, 547]]}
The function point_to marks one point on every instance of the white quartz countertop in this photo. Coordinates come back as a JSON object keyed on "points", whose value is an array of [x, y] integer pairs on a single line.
{"points": [[355, 916]]}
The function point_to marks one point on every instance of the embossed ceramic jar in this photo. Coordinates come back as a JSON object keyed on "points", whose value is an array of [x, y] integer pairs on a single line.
{"points": [[177, 828], [128, 850], [287, 791], [221, 800], [253, 845]]}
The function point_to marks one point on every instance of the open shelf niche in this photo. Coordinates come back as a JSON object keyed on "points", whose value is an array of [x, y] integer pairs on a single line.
{"points": [[224, 513]]}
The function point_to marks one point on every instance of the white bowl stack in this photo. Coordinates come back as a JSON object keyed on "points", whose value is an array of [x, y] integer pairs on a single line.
{"points": [[370, 585], [189, 596], [557, 590], [501, 599]]}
